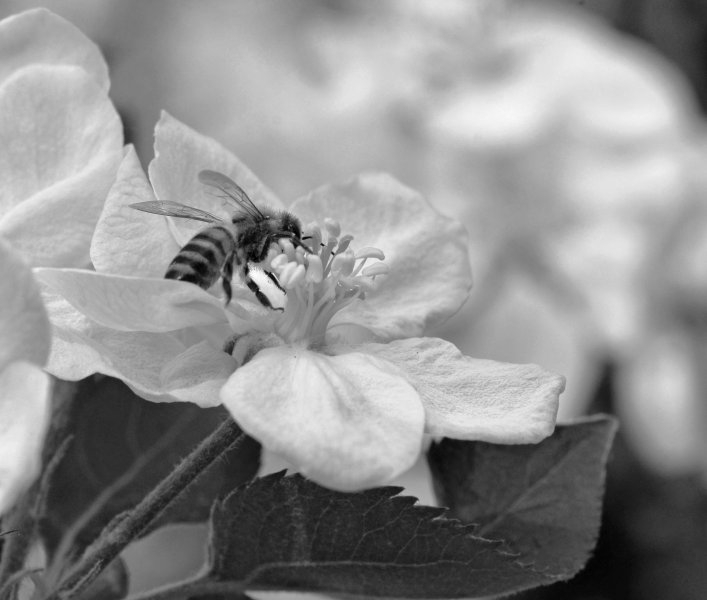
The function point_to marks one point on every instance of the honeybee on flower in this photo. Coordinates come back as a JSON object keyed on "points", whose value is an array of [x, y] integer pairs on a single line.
{"points": [[341, 382]]}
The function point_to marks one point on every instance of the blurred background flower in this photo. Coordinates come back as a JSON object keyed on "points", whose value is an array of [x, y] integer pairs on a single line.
{"points": [[568, 136]]}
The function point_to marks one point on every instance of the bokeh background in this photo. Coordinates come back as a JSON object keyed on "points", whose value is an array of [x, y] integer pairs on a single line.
{"points": [[570, 139]]}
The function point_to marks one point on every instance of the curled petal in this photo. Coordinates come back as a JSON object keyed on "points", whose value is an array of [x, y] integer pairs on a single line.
{"points": [[430, 275], [61, 160], [24, 327], [157, 366], [181, 153], [128, 241], [24, 416], [473, 399], [134, 303], [347, 422], [61, 44]]}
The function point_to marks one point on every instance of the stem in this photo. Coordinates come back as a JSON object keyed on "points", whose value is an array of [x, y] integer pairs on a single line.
{"points": [[123, 531]]}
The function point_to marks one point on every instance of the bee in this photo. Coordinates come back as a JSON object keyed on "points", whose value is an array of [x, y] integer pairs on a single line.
{"points": [[217, 249]]}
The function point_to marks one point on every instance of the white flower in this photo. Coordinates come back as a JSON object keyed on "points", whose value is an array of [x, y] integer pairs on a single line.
{"points": [[340, 383], [24, 387], [61, 138]]}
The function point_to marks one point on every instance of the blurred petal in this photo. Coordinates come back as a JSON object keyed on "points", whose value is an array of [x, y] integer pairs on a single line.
{"points": [[134, 303], [61, 44], [24, 327], [347, 422], [62, 159], [473, 399], [24, 416], [128, 241], [181, 152], [429, 277], [157, 366], [662, 408]]}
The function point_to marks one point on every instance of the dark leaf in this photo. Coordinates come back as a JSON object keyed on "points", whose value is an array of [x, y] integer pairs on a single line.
{"points": [[123, 441], [543, 500], [287, 533]]}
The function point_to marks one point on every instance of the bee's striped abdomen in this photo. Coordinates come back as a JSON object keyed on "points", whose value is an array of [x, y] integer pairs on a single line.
{"points": [[202, 259]]}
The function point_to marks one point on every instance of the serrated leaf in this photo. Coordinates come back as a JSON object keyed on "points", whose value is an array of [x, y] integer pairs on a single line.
{"points": [[287, 533], [112, 429], [544, 500]]}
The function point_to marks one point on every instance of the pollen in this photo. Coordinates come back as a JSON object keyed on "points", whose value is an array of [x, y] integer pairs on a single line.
{"points": [[322, 282]]}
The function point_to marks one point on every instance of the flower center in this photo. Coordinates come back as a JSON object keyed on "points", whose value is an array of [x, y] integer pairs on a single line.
{"points": [[321, 283]]}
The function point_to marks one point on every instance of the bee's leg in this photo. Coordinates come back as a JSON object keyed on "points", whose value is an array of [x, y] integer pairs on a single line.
{"points": [[227, 276], [253, 287], [275, 280]]}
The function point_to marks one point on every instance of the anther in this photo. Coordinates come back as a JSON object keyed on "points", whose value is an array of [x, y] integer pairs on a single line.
{"points": [[370, 252], [315, 270], [332, 227], [344, 242], [287, 248], [377, 269], [343, 264], [286, 274], [279, 262], [313, 236]]}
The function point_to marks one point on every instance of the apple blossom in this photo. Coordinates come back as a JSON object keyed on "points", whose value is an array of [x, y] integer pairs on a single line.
{"points": [[61, 135], [24, 387], [340, 383]]}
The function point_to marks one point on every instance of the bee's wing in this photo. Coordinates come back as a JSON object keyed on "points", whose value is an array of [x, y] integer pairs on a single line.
{"points": [[175, 209], [231, 190]]}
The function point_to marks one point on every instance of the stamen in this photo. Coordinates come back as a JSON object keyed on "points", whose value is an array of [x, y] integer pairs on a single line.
{"points": [[332, 227], [370, 252], [279, 262], [377, 269], [286, 274], [314, 233], [343, 264], [315, 271], [344, 242], [323, 282], [287, 247]]}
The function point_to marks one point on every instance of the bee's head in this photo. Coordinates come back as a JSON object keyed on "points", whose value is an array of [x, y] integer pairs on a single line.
{"points": [[290, 224]]}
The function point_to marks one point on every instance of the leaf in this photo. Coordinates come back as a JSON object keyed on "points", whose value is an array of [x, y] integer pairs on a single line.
{"points": [[287, 533], [117, 435], [543, 500]]}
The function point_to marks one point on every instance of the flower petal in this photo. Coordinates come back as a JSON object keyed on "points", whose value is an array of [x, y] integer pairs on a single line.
{"points": [[38, 36], [347, 422], [181, 152], [134, 303], [473, 399], [24, 327], [64, 139], [157, 366], [128, 241], [429, 277], [24, 416]]}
